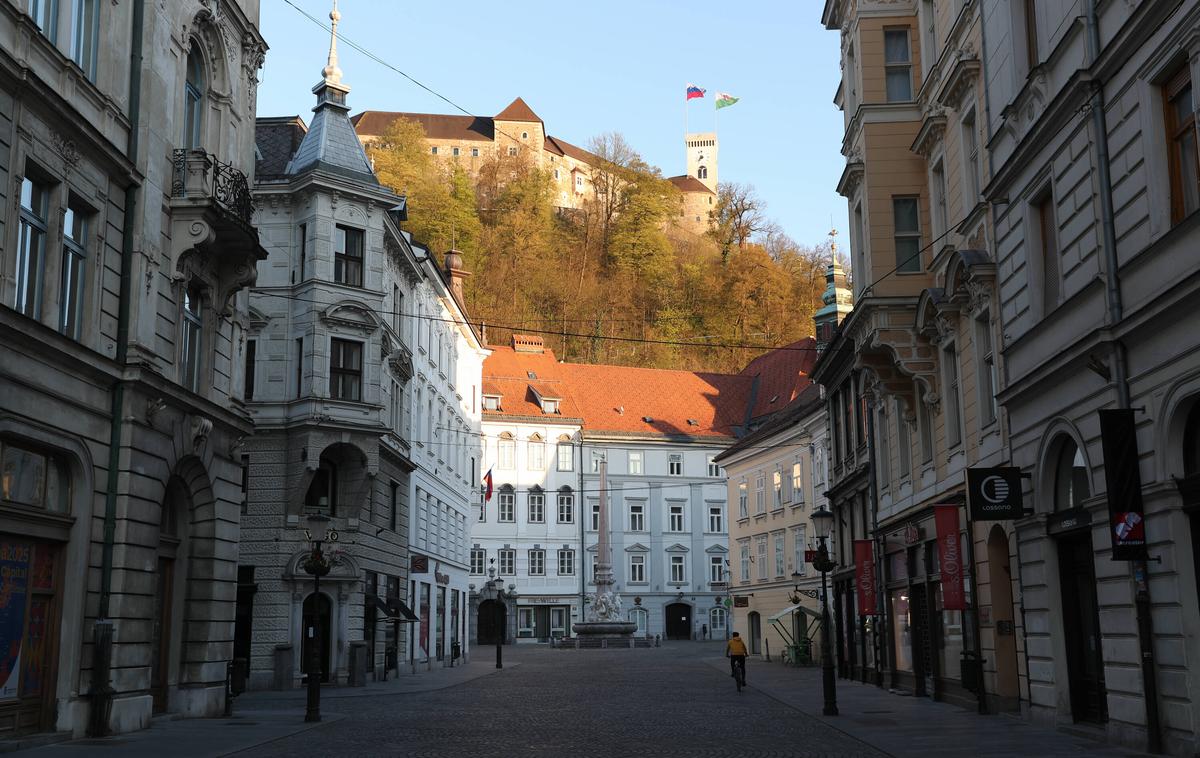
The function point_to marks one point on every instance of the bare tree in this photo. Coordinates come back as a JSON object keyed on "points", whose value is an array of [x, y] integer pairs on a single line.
{"points": [[738, 216]]}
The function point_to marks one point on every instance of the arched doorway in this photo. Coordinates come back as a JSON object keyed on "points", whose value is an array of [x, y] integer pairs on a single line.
{"points": [[493, 617], [168, 589], [754, 624], [317, 614], [679, 621], [1000, 572]]}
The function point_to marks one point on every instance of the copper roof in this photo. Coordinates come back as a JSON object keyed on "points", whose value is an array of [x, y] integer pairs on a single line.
{"points": [[689, 184]]}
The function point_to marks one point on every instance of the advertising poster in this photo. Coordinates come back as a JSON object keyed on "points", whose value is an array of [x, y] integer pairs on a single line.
{"points": [[423, 640], [864, 576], [954, 598], [14, 590]]}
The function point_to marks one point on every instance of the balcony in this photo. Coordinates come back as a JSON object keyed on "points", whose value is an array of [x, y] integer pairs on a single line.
{"points": [[212, 238]]}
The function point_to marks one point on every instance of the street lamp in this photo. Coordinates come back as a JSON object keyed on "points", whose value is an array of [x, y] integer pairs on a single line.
{"points": [[822, 520], [497, 613], [317, 565]]}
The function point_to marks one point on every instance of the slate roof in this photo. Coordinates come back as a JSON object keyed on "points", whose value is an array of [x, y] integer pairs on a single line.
{"points": [[689, 184], [276, 140], [331, 144]]}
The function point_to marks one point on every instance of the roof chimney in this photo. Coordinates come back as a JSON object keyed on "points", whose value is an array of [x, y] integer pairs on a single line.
{"points": [[456, 274], [528, 343]]}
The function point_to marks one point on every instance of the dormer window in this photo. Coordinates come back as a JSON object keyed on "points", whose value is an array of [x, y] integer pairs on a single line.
{"points": [[491, 402], [549, 406], [531, 375]]}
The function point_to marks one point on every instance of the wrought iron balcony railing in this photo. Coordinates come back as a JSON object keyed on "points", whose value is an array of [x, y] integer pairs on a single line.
{"points": [[199, 175]]}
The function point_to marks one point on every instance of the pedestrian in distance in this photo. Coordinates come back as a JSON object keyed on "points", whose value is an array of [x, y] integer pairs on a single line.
{"points": [[704, 631]]}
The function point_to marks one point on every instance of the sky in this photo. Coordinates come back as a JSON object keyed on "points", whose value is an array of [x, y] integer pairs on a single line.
{"points": [[593, 66]]}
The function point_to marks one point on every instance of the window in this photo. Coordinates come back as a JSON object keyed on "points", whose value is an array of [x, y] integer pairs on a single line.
{"points": [[193, 330], [1181, 144], [397, 307], [595, 517], [251, 356], [953, 403], [798, 544], [675, 518], [345, 370], [512, 151], [714, 470], [32, 478], [677, 570], [578, 182], [1031, 34], [508, 562], [595, 567], [348, 255], [304, 250], [433, 150], [928, 27], [506, 450], [31, 247], [1047, 231], [556, 174], [760, 548], [566, 456], [986, 358], [491, 403], [743, 509], [777, 489], [549, 406], [1071, 485], [898, 65], [905, 213], [474, 152], [760, 503], [596, 458], [194, 88], [883, 448], [780, 555], [637, 517], [717, 622], [70, 311], [970, 139], [478, 558], [537, 562], [45, 15], [537, 454], [85, 35], [322, 492], [702, 172], [675, 465], [905, 442], [537, 507], [566, 563], [566, 506], [745, 551], [637, 569], [506, 505], [454, 151], [926, 424], [937, 186], [716, 569], [635, 462], [716, 519], [797, 484]]}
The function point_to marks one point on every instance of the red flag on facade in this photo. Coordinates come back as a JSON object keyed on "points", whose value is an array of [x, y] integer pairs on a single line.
{"points": [[864, 576], [487, 487], [950, 557]]}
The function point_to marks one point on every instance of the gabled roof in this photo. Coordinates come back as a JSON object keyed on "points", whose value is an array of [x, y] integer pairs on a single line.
{"points": [[687, 183], [517, 110], [436, 125], [562, 147], [782, 375], [506, 373], [275, 141]]}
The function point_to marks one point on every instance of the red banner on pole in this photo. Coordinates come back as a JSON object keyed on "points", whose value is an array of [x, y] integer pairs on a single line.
{"points": [[864, 576], [950, 557]]}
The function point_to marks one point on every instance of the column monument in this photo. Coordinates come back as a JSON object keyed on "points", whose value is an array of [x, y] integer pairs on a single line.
{"points": [[604, 621]]}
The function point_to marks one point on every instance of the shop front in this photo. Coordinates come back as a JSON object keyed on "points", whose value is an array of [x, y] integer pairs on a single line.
{"points": [[541, 619]]}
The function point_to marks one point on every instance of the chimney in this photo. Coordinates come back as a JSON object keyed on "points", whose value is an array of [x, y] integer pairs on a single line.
{"points": [[457, 275], [528, 343]]}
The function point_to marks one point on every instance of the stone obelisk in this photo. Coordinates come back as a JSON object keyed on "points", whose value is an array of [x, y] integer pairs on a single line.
{"points": [[604, 611]]}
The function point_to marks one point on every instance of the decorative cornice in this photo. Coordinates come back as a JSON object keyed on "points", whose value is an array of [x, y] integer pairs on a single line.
{"points": [[932, 130]]}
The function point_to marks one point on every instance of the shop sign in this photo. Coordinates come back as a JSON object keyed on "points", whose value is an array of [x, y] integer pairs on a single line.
{"points": [[950, 557], [810, 556], [912, 533], [864, 576], [994, 494], [438, 576], [1066, 521], [741, 601], [1123, 480], [419, 564], [14, 589]]}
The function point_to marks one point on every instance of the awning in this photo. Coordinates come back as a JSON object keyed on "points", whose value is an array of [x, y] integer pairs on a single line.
{"points": [[788, 611], [395, 610]]}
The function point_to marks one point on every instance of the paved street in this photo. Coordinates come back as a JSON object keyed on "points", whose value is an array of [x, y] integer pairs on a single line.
{"points": [[673, 701]]}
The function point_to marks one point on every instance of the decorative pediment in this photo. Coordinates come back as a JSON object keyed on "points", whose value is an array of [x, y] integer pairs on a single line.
{"points": [[930, 135], [961, 79], [256, 320], [970, 279], [637, 547], [351, 315], [716, 549], [678, 548]]}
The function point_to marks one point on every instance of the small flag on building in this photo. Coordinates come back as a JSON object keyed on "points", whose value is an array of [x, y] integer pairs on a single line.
{"points": [[724, 100], [487, 487], [694, 91]]}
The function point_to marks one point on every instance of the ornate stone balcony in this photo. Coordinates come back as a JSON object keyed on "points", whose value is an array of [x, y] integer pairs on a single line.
{"points": [[211, 233]]}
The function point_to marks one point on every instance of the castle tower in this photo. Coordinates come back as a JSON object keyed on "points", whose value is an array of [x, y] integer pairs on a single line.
{"points": [[702, 157]]}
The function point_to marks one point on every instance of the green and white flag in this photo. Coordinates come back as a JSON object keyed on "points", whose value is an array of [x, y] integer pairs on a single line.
{"points": [[724, 100]]}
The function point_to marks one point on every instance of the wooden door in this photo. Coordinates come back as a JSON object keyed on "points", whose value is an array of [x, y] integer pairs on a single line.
{"points": [[160, 639], [1081, 629]]}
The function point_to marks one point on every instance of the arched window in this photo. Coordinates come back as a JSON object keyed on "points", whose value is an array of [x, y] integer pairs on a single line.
{"points": [[506, 452], [640, 617], [717, 622], [1191, 441], [702, 172], [193, 98], [1071, 485], [537, 453]]}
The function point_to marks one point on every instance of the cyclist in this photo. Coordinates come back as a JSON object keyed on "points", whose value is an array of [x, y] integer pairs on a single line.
{"points": [[736, 651]]}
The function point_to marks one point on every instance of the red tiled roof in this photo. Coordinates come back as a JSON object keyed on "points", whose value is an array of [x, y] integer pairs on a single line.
{"points": [[782, 375], [517, 110], [689, 184], [506, 373], [562, 147], [436, 125]]}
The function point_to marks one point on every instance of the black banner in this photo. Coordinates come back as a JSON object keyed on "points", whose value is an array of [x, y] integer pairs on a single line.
{"points": [[994, 494], [1123, 480]]}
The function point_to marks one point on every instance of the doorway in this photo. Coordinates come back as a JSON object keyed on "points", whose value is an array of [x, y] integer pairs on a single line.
{"points": [[541, 622], [491, 621], [1081, 628], [29, 634], [679, 621], [317, 614], [754, 630], [922, 640], [1004, 627], [160, 639]]}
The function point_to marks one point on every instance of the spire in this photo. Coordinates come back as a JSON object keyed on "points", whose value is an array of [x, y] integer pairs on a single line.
{"points": [[331, 72], [837, 298]]}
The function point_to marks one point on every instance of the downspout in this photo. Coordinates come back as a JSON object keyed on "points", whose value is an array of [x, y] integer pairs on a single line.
{"points": [[1112, 289], [102, 632]]}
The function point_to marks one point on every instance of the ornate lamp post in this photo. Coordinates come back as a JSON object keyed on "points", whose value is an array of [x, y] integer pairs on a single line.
{"points": [[822, 520], [317, 565], [498, 614]]}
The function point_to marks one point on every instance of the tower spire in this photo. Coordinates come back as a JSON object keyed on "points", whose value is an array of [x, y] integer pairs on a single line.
{"points": [[332, 73]]}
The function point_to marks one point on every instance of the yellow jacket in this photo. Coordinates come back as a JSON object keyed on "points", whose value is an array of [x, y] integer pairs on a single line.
{"points": [[735, 646]]}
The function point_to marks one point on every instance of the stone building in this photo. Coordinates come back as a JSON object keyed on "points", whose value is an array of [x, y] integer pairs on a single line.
{"points": [[1094, 191], [125, 241]]}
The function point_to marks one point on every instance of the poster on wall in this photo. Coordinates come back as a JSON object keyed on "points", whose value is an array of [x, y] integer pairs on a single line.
{"points": [[14, 591], [864, 576], [949, 543], [424, 612], [1123, 481]]}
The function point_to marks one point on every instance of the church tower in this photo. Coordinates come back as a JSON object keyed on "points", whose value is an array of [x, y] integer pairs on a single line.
{"points": [[702, 158], [838, 299]]}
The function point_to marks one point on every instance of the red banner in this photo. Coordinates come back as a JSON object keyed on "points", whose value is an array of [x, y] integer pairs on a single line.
{"points": [[864, 576], [950, 557]]}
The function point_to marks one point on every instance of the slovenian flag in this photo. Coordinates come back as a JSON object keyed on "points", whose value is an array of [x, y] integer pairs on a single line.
{"points": [[694, 91], [724, 100], [487, 487]]}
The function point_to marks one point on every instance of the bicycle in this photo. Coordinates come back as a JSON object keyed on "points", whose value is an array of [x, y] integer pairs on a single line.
{"points": [[739, 672]]}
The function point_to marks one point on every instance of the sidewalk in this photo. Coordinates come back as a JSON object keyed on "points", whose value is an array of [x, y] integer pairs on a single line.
{"points": [[916, 727], [259, 717]]}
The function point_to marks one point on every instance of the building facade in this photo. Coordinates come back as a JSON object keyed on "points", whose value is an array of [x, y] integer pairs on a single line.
{"points": [[1093, 188], [126, 222]]}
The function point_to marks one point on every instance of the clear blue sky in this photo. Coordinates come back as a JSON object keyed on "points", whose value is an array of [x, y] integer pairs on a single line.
{"points": [[593, 66]]}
